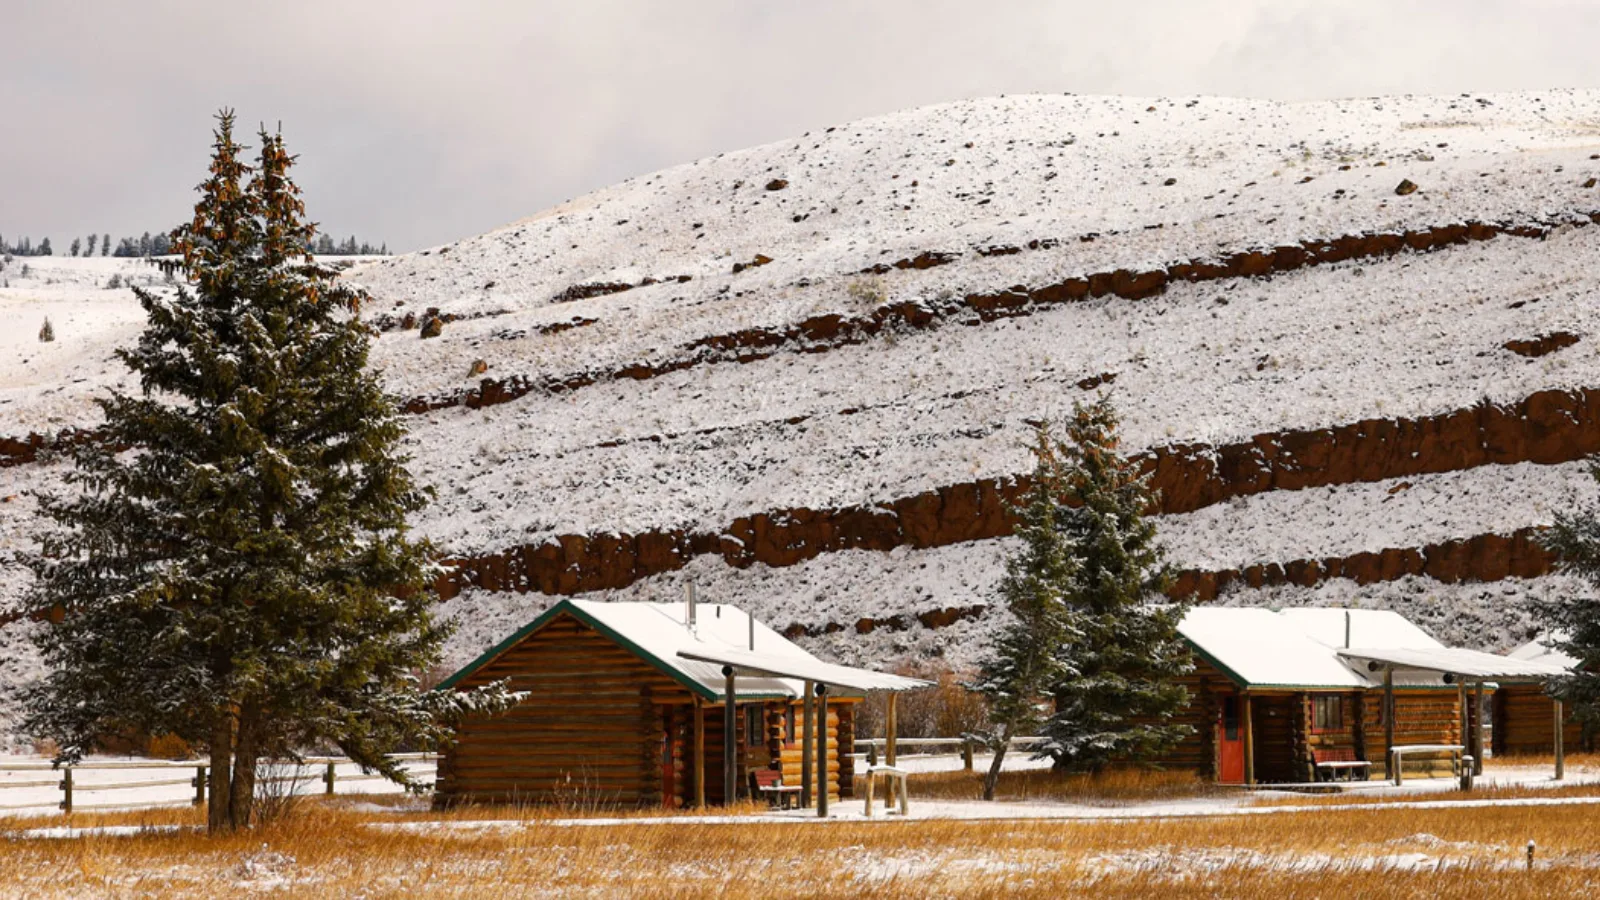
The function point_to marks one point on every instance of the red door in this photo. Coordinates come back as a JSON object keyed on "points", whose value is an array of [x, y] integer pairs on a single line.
{"points": [[669, 778], [1230, 742]]}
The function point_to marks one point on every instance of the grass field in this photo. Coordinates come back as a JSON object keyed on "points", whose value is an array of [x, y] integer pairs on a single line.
{"points": [[366, 849]]}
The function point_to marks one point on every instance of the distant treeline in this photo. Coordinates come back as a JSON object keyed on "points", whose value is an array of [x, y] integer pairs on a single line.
{"points": [[160, 244]]}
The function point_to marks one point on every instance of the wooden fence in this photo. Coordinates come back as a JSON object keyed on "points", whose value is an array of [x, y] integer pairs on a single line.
{"points": [[935, 748], [71, 788]]}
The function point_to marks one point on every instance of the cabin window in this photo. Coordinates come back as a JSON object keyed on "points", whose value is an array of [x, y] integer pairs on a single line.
{"points": [[788, 726], [752, 725], [1327, 713]]}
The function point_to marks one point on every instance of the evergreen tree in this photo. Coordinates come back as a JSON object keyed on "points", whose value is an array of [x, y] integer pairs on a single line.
{"points": [[1025, 662], [1124, 652], [44, 248], [105, 245], [1573, 620], [244, 578], [76, 246]]}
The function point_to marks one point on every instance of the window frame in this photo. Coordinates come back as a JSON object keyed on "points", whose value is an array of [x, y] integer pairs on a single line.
{"points": [[1320, 704]]}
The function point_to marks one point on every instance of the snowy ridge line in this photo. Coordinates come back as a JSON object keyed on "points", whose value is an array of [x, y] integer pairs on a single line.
{"points": [[829, 331], [1547, 427]]}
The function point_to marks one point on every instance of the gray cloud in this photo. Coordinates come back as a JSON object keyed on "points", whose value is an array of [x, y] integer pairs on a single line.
{"points": [[420, 122]]}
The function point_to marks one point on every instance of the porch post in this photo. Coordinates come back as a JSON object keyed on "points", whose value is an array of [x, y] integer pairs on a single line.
{"points": [[699, 753], [1561, 756], [730, 741], [1477, 728], [822, 751], [809, 708], [1388, 721], [1249, 739], [893, 727]]}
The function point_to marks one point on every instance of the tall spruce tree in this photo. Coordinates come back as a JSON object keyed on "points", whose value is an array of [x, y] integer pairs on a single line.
{"points": [[1026, 663], [234, 567], [1573, 620], [1124, 653]]}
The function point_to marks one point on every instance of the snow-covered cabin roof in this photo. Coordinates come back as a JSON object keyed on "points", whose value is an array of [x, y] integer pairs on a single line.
{"points": [[1307, 648], [1371, 628], [1539, 650], [660, 634], [1261, 648]]}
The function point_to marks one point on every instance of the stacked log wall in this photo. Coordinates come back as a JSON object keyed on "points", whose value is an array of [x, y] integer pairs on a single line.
{"points": [[1421, 717], [589, 732], [1524, 722], [789, 757], [1197, 751]]}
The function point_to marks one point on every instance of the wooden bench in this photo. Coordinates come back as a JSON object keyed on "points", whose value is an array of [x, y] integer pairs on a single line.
{"points": [[1398, 753], [769, 783], [1333, 762]]}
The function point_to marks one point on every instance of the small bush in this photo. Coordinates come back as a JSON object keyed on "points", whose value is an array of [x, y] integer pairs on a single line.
{"points": [[114, 282], [48, 332]]}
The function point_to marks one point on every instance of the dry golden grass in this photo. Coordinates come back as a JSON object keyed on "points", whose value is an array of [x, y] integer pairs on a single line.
{"points": [[333, 850]]}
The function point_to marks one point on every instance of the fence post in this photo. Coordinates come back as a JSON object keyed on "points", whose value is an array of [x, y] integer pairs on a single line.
{"points": [[327, 779], [966, 755], [66, 790], [199, 785]]}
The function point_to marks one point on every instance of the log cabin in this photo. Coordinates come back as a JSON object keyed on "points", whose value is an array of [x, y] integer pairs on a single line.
{"points": [[655, 704], [1274, 693], [1524, 715]]}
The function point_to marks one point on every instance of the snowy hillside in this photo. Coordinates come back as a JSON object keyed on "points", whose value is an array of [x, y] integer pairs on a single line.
{"points": [[801, 373]]}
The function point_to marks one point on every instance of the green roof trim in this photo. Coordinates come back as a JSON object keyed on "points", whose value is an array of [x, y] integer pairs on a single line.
{"points": [[565, 606]]}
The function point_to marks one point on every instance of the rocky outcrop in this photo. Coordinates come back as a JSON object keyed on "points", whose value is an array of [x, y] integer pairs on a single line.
{"points": [[1548, 427], [1543, 345], [1484, 557], [829, 331]]}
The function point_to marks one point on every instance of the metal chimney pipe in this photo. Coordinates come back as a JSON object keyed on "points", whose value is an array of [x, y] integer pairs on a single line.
{"points": [[1347, 629], [689, 594], [752, 617]]}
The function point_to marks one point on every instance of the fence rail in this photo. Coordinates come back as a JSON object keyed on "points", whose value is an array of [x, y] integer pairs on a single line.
{"points": [[70, 787], [871, 748]]}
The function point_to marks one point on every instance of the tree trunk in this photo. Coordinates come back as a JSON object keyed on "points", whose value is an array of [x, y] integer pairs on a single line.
{"points": [[992, 779], [219, 782], [247, 748]]}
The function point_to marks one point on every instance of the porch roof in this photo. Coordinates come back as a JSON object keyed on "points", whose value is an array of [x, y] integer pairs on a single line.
{"points": [[1474, 665], [812, 669]]}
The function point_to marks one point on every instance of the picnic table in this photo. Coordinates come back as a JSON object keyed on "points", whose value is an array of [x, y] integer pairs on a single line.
{"points": [[1398, 753]]}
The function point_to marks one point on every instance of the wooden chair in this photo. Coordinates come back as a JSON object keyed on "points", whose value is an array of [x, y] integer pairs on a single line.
{"points": [[769, 783]]}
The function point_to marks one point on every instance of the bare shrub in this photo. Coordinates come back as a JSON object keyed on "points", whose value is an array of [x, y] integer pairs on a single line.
{"points": [[281, 786], [947, 709], [47, 333]]}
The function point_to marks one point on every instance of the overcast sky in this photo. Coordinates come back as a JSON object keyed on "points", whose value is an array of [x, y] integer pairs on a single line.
{"points": [[421, 122]]}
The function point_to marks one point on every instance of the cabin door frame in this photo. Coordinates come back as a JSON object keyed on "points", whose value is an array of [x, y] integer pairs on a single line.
{"points": [[669, 775], [1230, 738]]}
